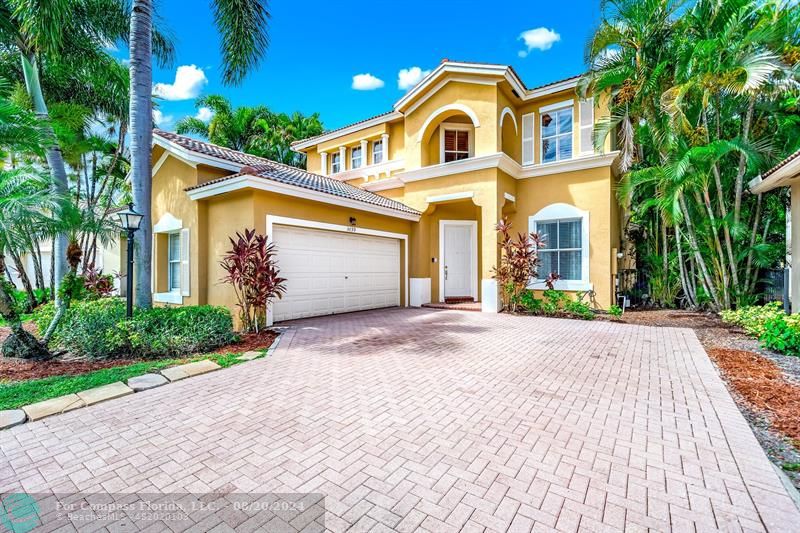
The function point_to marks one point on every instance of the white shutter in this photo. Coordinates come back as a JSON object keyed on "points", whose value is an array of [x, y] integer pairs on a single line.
{"points": [[528, 127], [186, 281], [587, 126]]}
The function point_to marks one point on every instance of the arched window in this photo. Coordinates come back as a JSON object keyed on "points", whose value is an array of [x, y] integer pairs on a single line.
{"points": [[565, 229]]}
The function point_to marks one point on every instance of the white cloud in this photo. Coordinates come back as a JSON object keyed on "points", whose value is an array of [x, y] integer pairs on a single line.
{"points": [[161, 120], [538, 38], [408, 77], [189, 81], [204, 114], [366, 82]]}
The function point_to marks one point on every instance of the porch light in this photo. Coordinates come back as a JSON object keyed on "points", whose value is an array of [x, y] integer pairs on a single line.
{"points": [[130, 221]]}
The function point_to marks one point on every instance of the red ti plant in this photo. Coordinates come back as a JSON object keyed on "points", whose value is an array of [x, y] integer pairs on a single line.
{"points": [[251, 267], [519, 261], [96, 283]]}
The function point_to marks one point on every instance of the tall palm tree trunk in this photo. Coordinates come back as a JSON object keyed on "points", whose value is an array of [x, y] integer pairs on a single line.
{"points": [[55, 161], [141, 103]]}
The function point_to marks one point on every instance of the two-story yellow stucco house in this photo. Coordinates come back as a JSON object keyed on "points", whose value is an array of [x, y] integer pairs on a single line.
{"points": [[400, 209]]}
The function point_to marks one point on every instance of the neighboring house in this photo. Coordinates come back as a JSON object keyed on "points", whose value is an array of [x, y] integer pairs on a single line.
{"points": [[108, 260], [399, 209], [787, 174]]}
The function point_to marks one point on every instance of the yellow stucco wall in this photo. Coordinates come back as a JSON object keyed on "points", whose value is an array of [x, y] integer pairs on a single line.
{"points": [[588, 190]]}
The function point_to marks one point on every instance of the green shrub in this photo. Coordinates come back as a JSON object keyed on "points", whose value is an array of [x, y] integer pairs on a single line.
{"points": [[782, 334], [753, 318], [169, 331], [578, 309], [615, 311], [99, 329]]}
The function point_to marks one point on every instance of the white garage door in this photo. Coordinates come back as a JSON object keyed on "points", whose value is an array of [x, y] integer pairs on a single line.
{"points": [[331, 272]]}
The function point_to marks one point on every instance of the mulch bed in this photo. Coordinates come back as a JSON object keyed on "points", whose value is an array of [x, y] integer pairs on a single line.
{"points": [[19, 369], [762, 384]]}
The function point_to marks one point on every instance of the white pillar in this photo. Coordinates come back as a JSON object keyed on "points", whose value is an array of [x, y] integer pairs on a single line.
{"points": [[324, 156], [385, 146], [364, 145], [342, 159]]}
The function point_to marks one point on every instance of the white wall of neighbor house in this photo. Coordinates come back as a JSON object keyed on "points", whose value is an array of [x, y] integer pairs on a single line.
{"points": [[108, 260], [793, 238]]}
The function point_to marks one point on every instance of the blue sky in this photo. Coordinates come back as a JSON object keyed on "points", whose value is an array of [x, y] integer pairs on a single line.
{"points": [[318, 47]]}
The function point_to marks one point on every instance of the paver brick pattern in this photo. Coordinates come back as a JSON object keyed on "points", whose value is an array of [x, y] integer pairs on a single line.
{"points": [[437, 420]]}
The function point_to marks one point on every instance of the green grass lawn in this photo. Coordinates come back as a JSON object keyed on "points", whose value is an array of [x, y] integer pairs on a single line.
{"points": [[16, 394]]}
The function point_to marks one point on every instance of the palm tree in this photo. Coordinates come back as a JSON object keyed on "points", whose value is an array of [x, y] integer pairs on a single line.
{"points": [[254, 130], [242, 25], [697, 95], [72, 34], [236, 128]]}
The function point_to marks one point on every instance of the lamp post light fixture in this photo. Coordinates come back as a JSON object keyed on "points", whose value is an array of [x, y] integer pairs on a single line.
{"points": [[130, 221]]}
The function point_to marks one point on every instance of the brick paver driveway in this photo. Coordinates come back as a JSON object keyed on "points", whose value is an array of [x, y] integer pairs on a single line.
{"points": [[437, 420]]}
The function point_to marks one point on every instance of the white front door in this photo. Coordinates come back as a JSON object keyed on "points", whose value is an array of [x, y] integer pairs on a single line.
{"points": [[457, 259], [330, 272]]}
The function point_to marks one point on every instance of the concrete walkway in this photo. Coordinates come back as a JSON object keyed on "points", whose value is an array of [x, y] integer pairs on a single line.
{"points": [[440, 420]]}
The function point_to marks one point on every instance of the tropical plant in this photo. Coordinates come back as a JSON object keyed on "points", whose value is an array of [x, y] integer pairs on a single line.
{"points": [[519, 260], [701, 95], [251, 268], [254, 130], [242, 25]]}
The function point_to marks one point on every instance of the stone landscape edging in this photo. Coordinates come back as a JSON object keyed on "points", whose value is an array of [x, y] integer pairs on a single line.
{"points": [[68, 402]]}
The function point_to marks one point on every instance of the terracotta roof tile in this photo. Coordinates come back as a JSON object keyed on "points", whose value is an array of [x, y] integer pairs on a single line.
{"points": [[260, 167], [781, 164]]}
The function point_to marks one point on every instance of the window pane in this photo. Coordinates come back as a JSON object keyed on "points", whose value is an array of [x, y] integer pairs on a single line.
{"points": [[569, 265], [449, 140], [547, 263], [174, 276], [377, 152], [462, 144], [174, 246], [565, 146], [548, 125], [565, 121], [569, 234], [548, 231], [548, 150]]}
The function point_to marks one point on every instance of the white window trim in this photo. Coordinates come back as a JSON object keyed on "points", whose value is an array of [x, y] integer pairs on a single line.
{"points": [[353, 157], [334, 157], [473, 226], [565, 211], [378, 142], [549, 109], [456, 126]]}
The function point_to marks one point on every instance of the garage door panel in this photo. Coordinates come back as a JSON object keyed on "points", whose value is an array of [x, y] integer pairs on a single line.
{"points": [[334, 272]]}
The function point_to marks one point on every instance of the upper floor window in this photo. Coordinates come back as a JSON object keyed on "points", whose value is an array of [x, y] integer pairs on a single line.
{"points": [[455, 144], [377, 152], [336, 163], [174, 262], [355, 157], [556, 135]]}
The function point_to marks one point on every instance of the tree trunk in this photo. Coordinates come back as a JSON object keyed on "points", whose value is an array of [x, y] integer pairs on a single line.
{"points": [[141, 118], [737, 205], [55, 161], [22, 274], [20, 343]]}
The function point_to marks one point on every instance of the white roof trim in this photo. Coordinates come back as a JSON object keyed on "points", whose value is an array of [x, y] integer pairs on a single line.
{"points": [[190, 156], [254, 182], [308, 143], [783, 177]]}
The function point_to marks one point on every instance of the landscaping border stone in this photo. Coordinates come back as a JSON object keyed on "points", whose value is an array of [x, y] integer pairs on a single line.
{"points": [[61, 404]]}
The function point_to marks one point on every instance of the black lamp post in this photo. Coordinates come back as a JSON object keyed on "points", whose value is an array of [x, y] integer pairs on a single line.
{"points": [[130, 221]]}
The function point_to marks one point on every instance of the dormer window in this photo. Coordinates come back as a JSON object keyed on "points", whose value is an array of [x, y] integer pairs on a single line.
{"points": [[355, 157], [455, 143], [336, 163], [377, 152]]}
